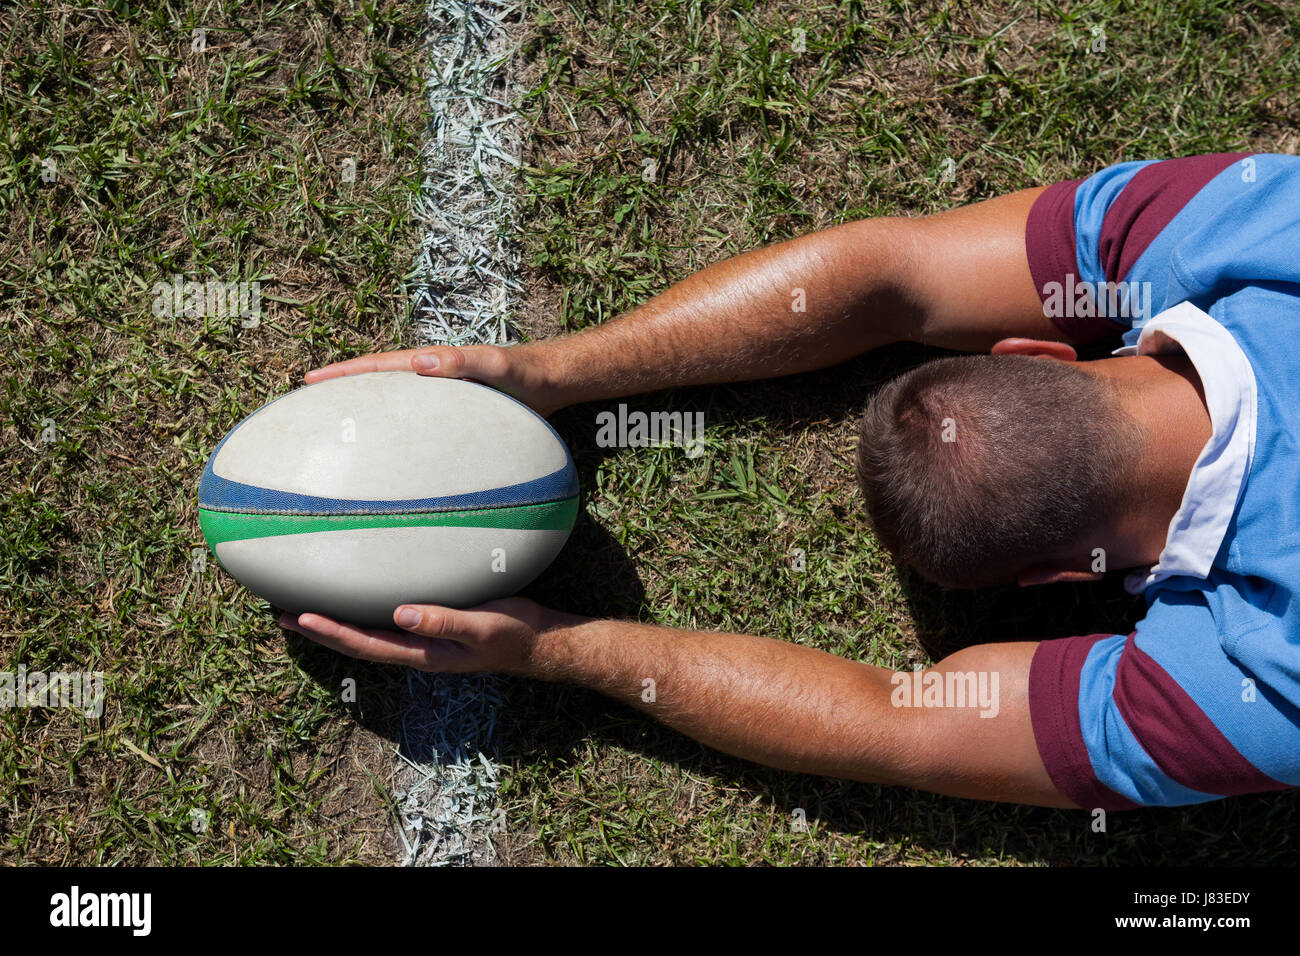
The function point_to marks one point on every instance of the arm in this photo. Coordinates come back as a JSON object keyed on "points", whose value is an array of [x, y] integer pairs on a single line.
{"points": [[801, 709], [958, 280], [764, 700]]}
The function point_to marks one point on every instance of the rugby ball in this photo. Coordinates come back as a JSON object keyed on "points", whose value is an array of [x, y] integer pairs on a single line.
{"points": [[354, 495]]}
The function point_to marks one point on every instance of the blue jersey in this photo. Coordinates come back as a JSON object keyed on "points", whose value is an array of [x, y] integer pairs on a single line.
{"points": [[1202, 700]]}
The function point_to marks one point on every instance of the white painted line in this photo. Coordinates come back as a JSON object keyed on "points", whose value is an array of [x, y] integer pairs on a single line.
{"points": [[465, 293]]}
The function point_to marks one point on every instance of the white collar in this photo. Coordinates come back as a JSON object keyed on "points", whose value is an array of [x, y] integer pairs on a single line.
{"points": [[1198, 527]]}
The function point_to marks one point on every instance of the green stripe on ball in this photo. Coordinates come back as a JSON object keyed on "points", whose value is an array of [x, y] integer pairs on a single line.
{"points": [[219, 526]]}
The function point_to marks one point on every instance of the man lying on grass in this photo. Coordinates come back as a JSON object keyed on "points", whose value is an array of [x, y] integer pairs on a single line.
{"points": [[1178, 457]]}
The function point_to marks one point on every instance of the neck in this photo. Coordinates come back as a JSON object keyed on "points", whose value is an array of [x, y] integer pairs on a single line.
{"points": [[1164, 396]]}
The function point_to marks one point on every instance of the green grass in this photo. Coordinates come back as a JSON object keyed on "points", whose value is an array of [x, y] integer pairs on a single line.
{"points": [[223, 164], [226, 165]]}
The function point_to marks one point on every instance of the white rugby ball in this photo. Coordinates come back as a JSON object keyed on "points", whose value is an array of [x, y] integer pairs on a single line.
{"points": [[354, 495]]}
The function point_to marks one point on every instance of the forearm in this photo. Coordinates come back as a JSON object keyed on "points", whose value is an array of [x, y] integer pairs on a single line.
{"points": [[799, 305], [753, 697], [797, 708]]}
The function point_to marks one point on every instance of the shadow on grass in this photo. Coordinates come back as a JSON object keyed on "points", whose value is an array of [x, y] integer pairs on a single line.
{"points": [[947, 621]]}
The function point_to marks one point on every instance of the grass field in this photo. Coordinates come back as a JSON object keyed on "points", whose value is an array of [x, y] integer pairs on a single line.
{"points": [[226, 164], [221, 164]]}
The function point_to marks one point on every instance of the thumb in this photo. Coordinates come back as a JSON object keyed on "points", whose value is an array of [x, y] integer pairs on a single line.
{"points": [[432, 620], [487, 363]]}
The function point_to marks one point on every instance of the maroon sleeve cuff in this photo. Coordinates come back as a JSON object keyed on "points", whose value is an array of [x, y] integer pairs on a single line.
{"points": [[1054, 711], [1051, 246]]}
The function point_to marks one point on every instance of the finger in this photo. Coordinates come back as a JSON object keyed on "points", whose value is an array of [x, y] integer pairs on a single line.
{"points": [[384, 647], [382, 362]]}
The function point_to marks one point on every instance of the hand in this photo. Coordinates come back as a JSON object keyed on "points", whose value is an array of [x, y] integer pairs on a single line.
{"points": [[512, 369], [497, 636]]}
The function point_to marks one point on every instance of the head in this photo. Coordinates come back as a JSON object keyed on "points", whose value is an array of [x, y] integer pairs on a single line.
{"points": [[978, 469]]}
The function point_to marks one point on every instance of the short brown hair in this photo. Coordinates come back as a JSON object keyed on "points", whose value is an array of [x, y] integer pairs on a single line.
{"points": [[978, 467]]}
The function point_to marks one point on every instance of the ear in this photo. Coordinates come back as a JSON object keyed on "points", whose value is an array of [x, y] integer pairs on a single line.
{"points": [[1036, 348], [1044, 574]]}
